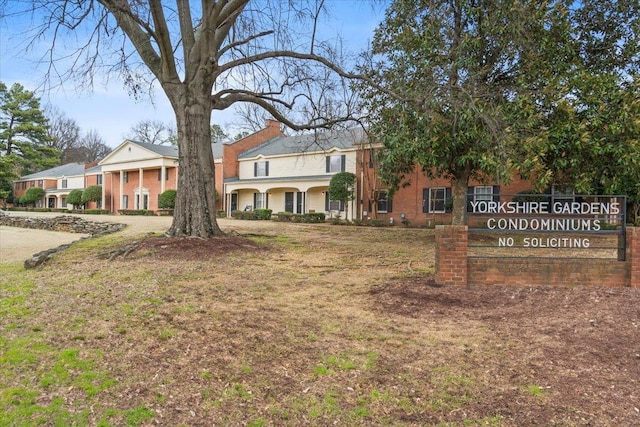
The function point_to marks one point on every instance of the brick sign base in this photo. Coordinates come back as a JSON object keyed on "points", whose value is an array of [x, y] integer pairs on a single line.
{"points": [[454, 267]]}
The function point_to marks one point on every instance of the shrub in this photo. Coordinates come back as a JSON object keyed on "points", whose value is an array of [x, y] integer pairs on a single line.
{"points": [[74, 198], [32, 195], [284, 217], [144, 212], [313, 217], [167, 200], [262, 213], [243, 215], [92, 194], [95, 211]]}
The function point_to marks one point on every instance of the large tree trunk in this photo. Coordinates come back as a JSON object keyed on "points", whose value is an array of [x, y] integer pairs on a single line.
{"points": [[459, 193], [195, 210]]}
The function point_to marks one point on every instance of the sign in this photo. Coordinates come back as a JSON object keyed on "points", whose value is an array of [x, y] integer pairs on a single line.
{"points": [[529, 221]]}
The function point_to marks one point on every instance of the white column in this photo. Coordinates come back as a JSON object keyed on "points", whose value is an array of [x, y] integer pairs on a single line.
{"points": [[139, 198], [120, 203], [163, 177]]}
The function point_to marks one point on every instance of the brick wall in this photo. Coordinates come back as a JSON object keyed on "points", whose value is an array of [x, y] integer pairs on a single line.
{"points": [[231, 151], [451, 254], [633, 256], [453, 267]]}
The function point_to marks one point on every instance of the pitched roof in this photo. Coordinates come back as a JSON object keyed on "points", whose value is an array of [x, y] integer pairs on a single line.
{"points": [[163, 150], [306, 143], [68, 169], [172, 150]]}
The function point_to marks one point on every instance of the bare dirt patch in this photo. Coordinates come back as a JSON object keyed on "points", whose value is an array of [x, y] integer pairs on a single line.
{"points": [[185, 248]]}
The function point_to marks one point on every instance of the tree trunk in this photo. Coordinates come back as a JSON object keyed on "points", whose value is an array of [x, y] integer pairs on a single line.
{"points": [[195, 209], [459, 194]]}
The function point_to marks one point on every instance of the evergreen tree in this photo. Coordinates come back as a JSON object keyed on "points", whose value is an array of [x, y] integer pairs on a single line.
{"points": [[24, 140]]}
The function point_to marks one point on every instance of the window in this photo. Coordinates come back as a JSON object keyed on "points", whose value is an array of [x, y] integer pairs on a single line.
{"points": [[384, 202], [261, 169], [64, 202], [332, 205], [99, 179], [259, 200], [32, 183], [125, 177], [24, 185], [482, 193], [166, 174], [336, 163], [125, 202], [434, 200], [64, 185], [40, 183]]}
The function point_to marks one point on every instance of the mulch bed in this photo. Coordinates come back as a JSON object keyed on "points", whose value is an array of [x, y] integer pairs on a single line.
{"points": [[581, 345]]}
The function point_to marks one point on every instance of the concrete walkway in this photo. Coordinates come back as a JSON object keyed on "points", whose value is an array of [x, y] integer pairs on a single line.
{"points": [[18, 244]]}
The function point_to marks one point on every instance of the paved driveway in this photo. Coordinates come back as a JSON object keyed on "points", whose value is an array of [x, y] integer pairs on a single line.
{"points": [[18, 244]]}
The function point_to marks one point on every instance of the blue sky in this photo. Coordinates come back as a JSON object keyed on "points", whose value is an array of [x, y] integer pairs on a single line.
{"points": [[109, 109]]}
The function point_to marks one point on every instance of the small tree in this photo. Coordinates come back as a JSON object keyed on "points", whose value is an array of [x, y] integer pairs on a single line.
{"points": [[167, 200], [75, 198], [32, 195], [341, 188], [92, 194]]}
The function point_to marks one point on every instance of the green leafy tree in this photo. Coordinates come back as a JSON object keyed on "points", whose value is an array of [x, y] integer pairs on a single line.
{"points": [[469, 89], [75, 198], [206, 56], [167, 200], [32, 195], [589, 131], [23, 135], [92, 193], [446, 73], [341, 188]]}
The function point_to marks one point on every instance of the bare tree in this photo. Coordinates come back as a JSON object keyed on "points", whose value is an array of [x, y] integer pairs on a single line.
{"points": [[151, 132], [205, 55], [94, 146], [64, 132]]}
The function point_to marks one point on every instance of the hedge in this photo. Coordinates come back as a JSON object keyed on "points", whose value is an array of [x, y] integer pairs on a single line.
{"points": [[142, 212]]}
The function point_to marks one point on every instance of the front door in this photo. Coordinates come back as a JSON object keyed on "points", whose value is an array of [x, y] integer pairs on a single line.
{"points": [[288, 201]]}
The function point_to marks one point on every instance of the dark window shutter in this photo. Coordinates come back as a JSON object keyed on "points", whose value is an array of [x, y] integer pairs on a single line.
{"points": [[496, 193], [255, 170], [326, 200], [254, 200], [328, 163], [470, 190], [389, 203], [425, 200], [266, 169], [343, 163]]}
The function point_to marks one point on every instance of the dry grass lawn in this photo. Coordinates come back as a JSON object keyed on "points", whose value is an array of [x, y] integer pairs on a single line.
{"points": [[291, 324]]}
